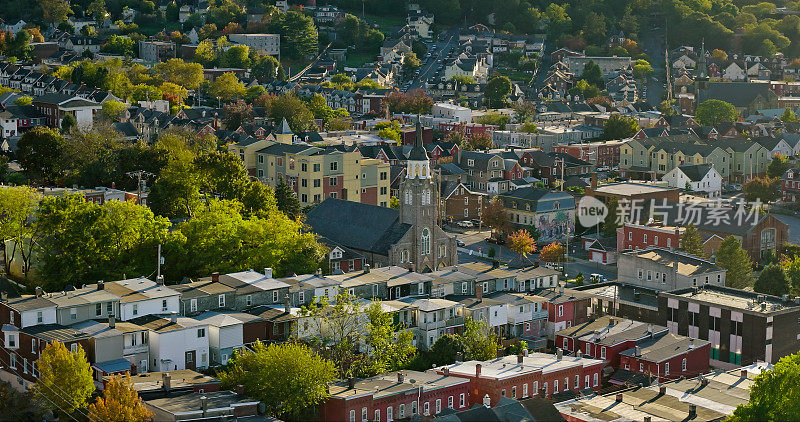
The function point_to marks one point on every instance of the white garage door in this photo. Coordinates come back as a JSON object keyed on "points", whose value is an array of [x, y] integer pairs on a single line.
{"points": [[597, 257]]}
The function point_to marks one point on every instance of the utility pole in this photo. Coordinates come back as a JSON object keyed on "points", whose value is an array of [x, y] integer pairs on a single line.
{"points": [[158, 268], [139, 175]]}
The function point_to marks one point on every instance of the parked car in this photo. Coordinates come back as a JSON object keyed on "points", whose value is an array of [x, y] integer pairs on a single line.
{"points": [[597, 278], [460, 243], [495, 240], [476, 222], [464, 224]]}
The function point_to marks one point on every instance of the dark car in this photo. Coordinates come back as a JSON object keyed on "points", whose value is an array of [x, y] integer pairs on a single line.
{"points": [[495, 240]]}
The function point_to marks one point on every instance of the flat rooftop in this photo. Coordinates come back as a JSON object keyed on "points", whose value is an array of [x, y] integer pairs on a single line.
{"points": [[507, 366], [738, 299], [389, 384], [630, 189], [688, 265]]}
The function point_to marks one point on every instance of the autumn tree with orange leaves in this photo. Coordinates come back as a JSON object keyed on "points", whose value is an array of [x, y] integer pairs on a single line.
{"points": [[120, 402]]}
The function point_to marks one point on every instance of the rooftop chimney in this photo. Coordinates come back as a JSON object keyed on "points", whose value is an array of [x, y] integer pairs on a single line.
{"points": [[3, 297], [487, 402], [318, 273], [160, 280], [479, 293], [173, 317], [692, 411], [204, 405], [561, 289], [691, 343], [559, 354], [478, 370], [619, 398], [524, 352], [401, 377], [268, 272], [458, 357], [351, 383], [519, 358], [215, 276], [637, 351], [100, 285], [662, 390], [579, 354], [240, 389], [366, 268], [744, 373], [166, 381], [112, 322], [610, 322], [647, 419], [446, 371], [287, 307], [39, 291]]}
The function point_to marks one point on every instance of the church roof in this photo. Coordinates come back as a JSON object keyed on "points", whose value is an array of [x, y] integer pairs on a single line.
{"points": [[359, 226], [418, 152], [284, 129]]}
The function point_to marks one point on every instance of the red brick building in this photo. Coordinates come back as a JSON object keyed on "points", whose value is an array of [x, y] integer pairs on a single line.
{"points": [[790, 185], [604, 153], [526, 375], [465, 128], [394, 396], [643, 236], [22, 347], [459, 202], [565, 308], [606, 337], [668, 357]]}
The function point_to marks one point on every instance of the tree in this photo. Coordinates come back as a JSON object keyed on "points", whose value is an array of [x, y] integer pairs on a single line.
{"points": [[667, 108], [764, 189], [496, 217], [174, 93], [65, 378], [480, 141], [113, 110], [389, 347], [463, 79], [264, 67], [611, 222], [411, 62], [774, 394], [772, 281], [528, 127], [525, 111], [444, 351], [620, 127], [553, 252], [719, 55], [294, 110], [788, 116], [778, 166], [23, 100], [40, 152], [238, 56], [691, 242], [288, 378], [733, 258], [496, 91], [104, 241], [68, 123], [17, 229], [120, 402], [714, 112], [298, 34], [479, 341], [176, 71], [642, 69], [286, 200], [97, 10], [337, 330], [19, 406], [522, 243], [55, 11], [236, 113], [227, 87], [592, 74]]}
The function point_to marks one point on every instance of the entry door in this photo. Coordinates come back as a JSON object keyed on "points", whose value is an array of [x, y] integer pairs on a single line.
{"points": [[190, 360]]}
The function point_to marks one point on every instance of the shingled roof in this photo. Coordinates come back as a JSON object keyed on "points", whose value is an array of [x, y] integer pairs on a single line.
{"points": [[695, 172], [359, 226]]}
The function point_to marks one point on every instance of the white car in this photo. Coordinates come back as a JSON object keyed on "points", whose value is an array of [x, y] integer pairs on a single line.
{"points": [[465, 224]]}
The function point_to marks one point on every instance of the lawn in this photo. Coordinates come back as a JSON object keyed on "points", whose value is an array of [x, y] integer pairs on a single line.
{"points": [[355, 59], [385, 21], [514, 75], [153, 27]]}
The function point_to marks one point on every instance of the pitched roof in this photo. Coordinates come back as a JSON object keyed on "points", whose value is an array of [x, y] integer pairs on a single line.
{"points": [[359, 226], [740, 94], [695, 172]]}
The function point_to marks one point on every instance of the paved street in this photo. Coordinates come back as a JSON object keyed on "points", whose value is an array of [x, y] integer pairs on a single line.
{"points": [[652, 41], [431, 65]]}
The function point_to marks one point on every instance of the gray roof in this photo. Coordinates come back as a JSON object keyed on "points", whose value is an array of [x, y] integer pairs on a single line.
{"points": [[740, 94], [695, 172], [665, 347], [359, 226]]}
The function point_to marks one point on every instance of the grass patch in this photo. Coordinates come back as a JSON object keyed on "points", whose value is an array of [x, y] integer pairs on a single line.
{"points": [[356, 59], [384, 21], [514, 75]]}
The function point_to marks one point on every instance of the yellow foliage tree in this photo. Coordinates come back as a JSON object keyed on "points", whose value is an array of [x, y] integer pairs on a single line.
{"points": [[65, 378], [553, 252], [522, 243], [120, 403]]}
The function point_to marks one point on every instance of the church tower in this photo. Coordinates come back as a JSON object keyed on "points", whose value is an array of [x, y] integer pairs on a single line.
{"points": [[701, 71], [418, 208]]}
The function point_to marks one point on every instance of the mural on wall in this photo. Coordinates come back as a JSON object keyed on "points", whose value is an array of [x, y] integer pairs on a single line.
{"points": [[555, 226]]}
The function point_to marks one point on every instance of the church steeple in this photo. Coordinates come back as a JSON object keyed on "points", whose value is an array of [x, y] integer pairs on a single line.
{"points": [[701, 70], [418, 164]]}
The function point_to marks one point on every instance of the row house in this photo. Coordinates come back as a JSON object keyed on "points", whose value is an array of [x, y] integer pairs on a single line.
{"points": [[550, 212], [665, 269], [601, 154], [15, 120], [459, 202], [790, 185], [228, 332], [115, 347], [176, 342], [480, 168], [606, 337], [526, 317], [56, 106], [306, 288], [430, 319], [469, 278], [526, 375], [667, 357], [395, 396], [491, 311], [565, 308], [234, 291]]}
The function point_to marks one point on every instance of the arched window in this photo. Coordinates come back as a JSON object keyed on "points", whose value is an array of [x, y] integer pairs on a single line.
{"points": [[426, 242], [409, 197]]}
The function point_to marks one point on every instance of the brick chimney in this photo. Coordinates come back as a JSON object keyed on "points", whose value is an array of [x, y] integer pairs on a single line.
{"points": [[111, 321], [240, 389], [594, 182], [166, 381], [215, 276], [100, 285], [400, 377], [479, 293], [478, 370]]}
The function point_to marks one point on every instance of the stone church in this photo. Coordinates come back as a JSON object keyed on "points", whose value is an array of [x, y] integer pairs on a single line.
{"points": [[408, 237]]}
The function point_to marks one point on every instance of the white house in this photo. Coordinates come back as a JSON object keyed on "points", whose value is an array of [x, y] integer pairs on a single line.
{"points": [[491, 311], [140, 296], [452, 112], [434, 318], [176, 343], [15, 27], [734, 73], [226, 332], [776, 146], [699, 177], [683, 62], [30, 310]]}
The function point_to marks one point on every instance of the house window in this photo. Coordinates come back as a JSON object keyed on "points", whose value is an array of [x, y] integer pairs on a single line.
{"points": [[201, 332], [461, 400], [352, 416], [389, 414], [514, 392], [426, 408], [485, 287], [641, 367], [73, 347], [163, 305], [73, 314], [193, 305], [566, 344], [248, 300], [136, 309], [426, 242], [666, 368], [525, 390], [33, 346], [586, 382], [555, 386], [301, 297], [595, 380], [363, 414], [560, 310], [12, 361], [221, 299], [98, 309], [377, 415], [40, 316], [602, 352], [683, 365], [464, 287], [450, 402], [275, 296]]}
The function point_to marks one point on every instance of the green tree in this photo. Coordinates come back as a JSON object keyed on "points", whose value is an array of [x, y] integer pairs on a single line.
{"points": [[298, 34], [463, 79], [23, 100], [65, 378], [105, 241], [480, 343], [120, 402], [525, 111], [236, 113], [773, 394], [179, 72], [294, 110], [17, 229], [338, 329], [495, 216], [691, 242], [620, 127], [237, 56], [592, 74], [764, 189], [411, 62], [19, 406], [772, 281], [288, 378], [97, 10], [227, 87], [68, 123], [667, 108], [389, 347], [528, 127], [733, 258], [714, 112], [264, 67], [788, 116], [444, 351], [778, 166], [55, 11], [496, 91], [286, 200], [40, 151], [113, 110], [642, 69]]}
